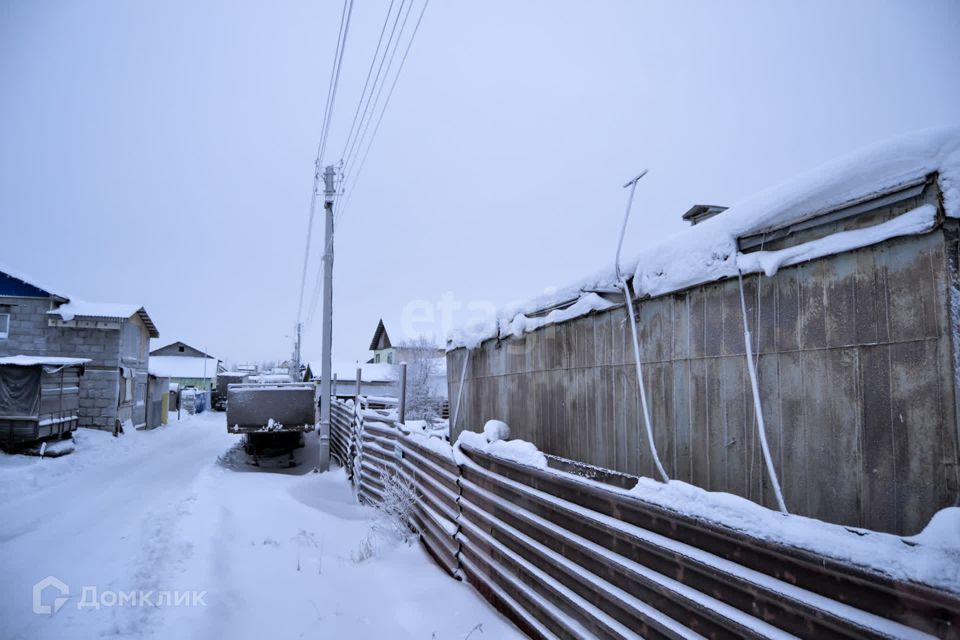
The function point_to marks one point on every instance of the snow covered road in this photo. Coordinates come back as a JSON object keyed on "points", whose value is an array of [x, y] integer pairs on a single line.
{"points": [[251, 552]]}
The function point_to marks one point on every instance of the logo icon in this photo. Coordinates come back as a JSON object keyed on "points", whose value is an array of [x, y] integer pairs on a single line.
{"points": [[60, 600]]}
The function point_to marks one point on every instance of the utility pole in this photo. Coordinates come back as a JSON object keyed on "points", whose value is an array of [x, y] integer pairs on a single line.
{"points": [[326, 369], [296, 347]]}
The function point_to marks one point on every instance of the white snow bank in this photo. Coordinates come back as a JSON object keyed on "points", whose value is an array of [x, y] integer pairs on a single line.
{"points": [[708, 251], [920, 220], [250, 541], [943, 531], [496, 430], [435, 444], [931, 557], [519, 451]]}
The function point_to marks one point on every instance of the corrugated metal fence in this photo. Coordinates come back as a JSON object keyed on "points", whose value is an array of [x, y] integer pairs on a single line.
{"points": [[567, 559]]}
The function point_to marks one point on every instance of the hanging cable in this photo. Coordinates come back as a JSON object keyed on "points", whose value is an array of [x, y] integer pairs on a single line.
{"points": [[758, 410], [628, 296], [360, 116], [386, 103], [332, 85], [306, 253], [390, 54], [335, 76], [372, 101]]}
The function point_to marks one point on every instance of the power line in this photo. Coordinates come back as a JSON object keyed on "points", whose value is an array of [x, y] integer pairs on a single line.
{"points": [[366, 83], [332, 85], [371, 106], [386, 103], [376, 99], [372, 99], [306, 253], [335, 75]]}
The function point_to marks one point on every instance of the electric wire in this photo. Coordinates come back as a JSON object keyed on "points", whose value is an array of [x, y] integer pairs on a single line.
{"points": [[393, 86], [342, 33]]}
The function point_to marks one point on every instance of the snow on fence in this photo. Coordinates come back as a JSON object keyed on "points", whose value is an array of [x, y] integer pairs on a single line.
{"points": [[566, 558]]}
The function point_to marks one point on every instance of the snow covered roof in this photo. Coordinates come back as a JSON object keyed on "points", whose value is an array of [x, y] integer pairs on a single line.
{"points": [[29, 361], [32, 282], [708, 251], [182, 367], [371, 372], [106, 310], [271, 378]]}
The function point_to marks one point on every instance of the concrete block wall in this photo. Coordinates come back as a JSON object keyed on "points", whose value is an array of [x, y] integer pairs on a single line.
{"points": [[28, 326], [30, 334], [99, 393]]}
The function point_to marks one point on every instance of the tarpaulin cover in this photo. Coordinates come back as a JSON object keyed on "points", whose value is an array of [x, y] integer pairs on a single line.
{"points": [[19, 391]]}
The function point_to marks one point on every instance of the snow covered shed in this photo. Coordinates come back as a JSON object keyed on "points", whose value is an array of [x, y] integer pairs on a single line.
{"points": [[39, 398], [852, 294]]}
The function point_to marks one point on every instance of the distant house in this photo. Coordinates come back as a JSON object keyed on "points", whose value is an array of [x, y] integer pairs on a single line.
{"points": [[36, 321], [185, 366], [385, 352], [181, 349]]}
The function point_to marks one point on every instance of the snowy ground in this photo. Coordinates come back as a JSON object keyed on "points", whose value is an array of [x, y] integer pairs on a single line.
{"points": [[178, 510]]}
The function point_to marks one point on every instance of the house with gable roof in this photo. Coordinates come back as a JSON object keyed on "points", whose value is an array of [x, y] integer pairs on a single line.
{"points": [[36, 320]]}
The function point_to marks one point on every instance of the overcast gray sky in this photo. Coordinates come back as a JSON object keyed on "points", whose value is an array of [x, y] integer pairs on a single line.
{"points": [[162, 153]]}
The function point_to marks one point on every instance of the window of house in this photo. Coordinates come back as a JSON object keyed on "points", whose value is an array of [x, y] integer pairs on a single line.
{"points": [[4, 325], [180, 349], [141, 394], [389, 358], [376, 358]]}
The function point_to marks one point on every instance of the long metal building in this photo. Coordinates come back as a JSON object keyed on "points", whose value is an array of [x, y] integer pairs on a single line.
{"points": [[852, 296]]}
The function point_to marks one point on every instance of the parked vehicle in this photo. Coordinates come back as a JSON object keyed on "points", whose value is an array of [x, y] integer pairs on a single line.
{"points": [[224, 380], [272, 417], [39, 398]]}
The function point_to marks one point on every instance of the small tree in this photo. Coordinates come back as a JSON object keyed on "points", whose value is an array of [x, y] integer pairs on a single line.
{"points": [[422, 357]]}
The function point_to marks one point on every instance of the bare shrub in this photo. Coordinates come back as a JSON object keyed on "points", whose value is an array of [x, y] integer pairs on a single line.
{"points": [[394, 522]]}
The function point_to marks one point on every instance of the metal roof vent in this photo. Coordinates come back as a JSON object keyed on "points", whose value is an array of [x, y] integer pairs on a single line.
{"points": [[700, 212]]}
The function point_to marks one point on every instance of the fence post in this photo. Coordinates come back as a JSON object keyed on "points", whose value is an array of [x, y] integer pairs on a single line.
{"points": [[403, 393], [356, 395]]}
